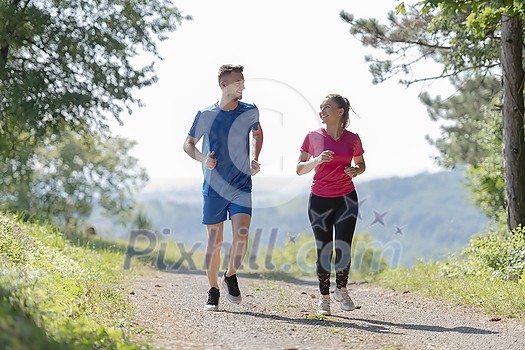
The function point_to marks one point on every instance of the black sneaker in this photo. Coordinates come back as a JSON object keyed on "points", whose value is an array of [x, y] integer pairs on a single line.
{"points": [[213, 300], [233, 294]]}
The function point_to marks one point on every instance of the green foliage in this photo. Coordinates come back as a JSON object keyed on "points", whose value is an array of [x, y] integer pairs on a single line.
{"points": [[489, 273], [11, 243], [413, 35], [65, 68], [140, 219], [465, 38], [474, 26], [61, 180], [487, 174], [55, 295], [401, 9], [70, 62], [503, 298], [368, 258], [296, 258], [28, 335], [462, 120], [472, 137], [497, 255], [400, 37]]}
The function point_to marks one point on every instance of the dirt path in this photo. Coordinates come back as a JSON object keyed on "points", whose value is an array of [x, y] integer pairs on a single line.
{"points": [[280, 315]]}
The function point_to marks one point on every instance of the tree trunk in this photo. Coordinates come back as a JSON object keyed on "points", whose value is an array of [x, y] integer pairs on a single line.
{"points": [[513, 119]]}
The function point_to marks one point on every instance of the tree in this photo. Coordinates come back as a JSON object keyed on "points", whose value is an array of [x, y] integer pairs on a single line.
{"points": [[460, 116], [68, 62], [486, 175], [472, 137], [66, 178], [421, 35], [66, 67], [464, 36], [513, 116]]}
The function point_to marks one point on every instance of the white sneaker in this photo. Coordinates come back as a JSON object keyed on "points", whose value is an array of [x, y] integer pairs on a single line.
{"points": [[341, 296], [323, 306]]}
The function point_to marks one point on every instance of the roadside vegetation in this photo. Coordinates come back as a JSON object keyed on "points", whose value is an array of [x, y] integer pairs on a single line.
{"points": [[489, 274], [62, 293]]}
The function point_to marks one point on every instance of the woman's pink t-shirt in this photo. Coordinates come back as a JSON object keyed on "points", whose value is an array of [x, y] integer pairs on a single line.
{"points": [[330, 179]]}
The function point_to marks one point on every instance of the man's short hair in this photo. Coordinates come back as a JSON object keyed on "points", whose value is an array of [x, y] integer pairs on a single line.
{"points": [[227, 69]]}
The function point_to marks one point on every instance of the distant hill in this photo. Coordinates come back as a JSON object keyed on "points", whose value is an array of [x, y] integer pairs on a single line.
{"points": [[430, 215], [422, 217]]}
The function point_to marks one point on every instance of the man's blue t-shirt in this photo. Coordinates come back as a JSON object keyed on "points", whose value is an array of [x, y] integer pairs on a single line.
{"points": [[228, 134]]}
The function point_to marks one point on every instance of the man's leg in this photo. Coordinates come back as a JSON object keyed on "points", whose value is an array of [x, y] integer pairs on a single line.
{"points": [[213, 253], [240, 228], [214, 213]]}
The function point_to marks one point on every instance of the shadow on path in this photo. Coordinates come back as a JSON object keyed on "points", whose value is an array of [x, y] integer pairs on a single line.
{"points": [[427, 328], [370, 325]]}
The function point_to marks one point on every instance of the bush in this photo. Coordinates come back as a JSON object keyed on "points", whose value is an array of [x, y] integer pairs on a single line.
{"points": [[498, 255]]}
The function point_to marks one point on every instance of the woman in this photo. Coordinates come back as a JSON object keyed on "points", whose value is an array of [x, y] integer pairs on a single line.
{"points": [[331, 151]]}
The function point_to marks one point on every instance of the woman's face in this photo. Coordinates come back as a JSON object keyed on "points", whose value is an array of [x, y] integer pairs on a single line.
{"points": [[329, 112]]}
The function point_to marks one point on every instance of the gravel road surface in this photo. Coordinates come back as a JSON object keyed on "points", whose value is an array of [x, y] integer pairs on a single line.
{"points": [[281, 315]]}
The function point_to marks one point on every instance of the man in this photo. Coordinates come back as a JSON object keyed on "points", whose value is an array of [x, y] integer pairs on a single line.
{"points": [[225, 128]]}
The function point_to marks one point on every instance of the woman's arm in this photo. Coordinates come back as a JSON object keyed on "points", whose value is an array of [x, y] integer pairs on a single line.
{"points": [[358, 168], [305, 164]]}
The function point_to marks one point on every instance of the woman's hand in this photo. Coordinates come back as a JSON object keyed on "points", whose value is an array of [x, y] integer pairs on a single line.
{"points": [[352, 171], [325, 156]]}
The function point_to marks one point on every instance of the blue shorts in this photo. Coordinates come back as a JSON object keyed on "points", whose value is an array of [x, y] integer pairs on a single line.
{"points": [[216, 209]]}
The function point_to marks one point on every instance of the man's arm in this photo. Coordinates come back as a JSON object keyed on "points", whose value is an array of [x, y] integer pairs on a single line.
{"points": [[258, 136], [190, 148], [257, 142]]}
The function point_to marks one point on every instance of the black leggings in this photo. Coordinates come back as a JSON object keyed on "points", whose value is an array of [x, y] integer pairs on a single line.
{"points": [[325, 214]]}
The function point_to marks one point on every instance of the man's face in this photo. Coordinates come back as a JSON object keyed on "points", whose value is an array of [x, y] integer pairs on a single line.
{"points": [[232, 85]]}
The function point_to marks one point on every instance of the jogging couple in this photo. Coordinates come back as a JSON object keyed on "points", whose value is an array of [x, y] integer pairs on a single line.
{"points": [[227, 128]]}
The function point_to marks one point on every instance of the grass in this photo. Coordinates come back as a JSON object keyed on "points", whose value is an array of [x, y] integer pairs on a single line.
{"points": [[491, 295], [488, 274], [61, 294], [314, 316]]}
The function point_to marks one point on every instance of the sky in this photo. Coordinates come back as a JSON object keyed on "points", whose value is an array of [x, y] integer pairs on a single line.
{"points": [[294, 53]]}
